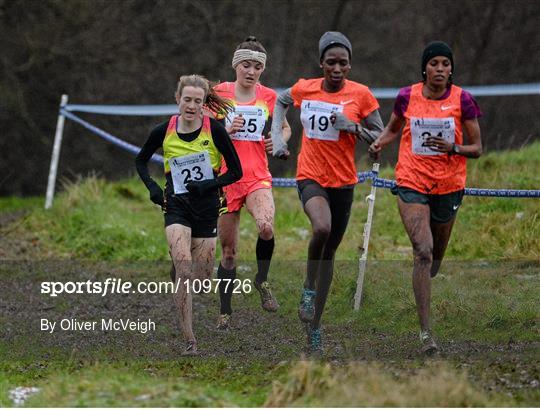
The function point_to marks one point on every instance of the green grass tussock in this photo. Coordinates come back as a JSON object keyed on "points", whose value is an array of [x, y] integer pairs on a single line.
{"points": [[97, 220], [371, 385], [125, 388]]}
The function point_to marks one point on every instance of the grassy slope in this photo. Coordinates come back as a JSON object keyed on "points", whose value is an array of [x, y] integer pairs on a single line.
{"points": [[102, 221], [474, 298]]}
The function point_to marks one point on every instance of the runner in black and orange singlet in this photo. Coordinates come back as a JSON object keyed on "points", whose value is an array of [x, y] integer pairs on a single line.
{"points": [[193, 147], [436, 116], [332, 109], [253, 105]]}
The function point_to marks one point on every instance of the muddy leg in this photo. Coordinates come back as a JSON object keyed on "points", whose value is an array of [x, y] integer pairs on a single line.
{"points": [[260, 204], [179, 239], [416, 219]]}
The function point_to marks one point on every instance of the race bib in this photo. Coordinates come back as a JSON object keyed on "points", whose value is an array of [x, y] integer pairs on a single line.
{"points": [[254, 120], [315, 117], [422, 128], [193, 167]]}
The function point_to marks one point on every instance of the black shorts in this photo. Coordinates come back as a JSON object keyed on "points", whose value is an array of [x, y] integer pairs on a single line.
{"points": [[442, 208], [342, 196], [198, 213]]}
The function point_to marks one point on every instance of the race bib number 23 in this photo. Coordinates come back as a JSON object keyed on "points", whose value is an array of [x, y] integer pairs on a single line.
{"points": [[193, 167]]}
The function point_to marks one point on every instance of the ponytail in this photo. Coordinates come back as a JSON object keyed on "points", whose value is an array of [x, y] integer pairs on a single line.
{"points": [[212, 101]]}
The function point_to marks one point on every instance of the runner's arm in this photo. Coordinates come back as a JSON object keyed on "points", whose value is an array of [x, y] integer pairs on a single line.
{"points": [[286, 130], [224, 145], [279, 132], [389, 134], [152, 144], [473, 149], [373, 126]]}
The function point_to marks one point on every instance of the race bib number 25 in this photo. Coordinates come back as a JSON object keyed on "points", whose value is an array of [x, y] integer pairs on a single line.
{"points": [[315, 117], [254, 120], [193, 167], [423, 128]]}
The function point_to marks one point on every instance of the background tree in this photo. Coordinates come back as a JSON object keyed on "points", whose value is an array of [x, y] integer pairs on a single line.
{"points": [[132, 51]]}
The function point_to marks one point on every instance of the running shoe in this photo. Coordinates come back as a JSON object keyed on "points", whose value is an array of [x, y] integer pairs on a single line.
{"points": [[429, 347], [224, 322], [315, 340], [191, 349], [268, 301], [306, 311]]}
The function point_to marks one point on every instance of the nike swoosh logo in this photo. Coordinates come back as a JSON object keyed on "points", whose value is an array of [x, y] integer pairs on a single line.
{"points": [[455, 207], [445, 107], [345, 102]]}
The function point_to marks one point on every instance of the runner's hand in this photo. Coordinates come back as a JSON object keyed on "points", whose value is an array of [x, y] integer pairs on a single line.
{"points": [[438, 144], [156, 195], [279, 146], [268, 145], [341, 123], [199, 188], [374, 150], [282, 154], [236, 125]]}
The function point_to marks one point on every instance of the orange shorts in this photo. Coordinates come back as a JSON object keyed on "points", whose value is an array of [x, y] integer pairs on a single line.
{"points": [[234, 195]]}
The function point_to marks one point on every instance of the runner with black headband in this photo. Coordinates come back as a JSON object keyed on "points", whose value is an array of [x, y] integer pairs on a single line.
{"points": [[440, 131], [193, 145], [332, 110], [253, 106]]}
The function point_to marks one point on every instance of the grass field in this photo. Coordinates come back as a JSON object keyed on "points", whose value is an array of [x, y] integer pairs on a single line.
{"points": [[485, 306]]}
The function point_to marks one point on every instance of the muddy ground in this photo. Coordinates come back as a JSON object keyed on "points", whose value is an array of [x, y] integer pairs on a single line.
{"points": [[512, 368]]}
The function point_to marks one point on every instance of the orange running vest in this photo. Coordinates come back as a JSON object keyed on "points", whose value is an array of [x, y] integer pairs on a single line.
{"points": [[418, 166]]}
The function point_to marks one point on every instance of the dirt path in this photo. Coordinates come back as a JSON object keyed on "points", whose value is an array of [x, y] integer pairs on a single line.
{"points": [[256, 335]]}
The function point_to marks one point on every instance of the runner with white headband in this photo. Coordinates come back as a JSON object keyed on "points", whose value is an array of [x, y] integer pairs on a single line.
{"points": [[253, 106]]}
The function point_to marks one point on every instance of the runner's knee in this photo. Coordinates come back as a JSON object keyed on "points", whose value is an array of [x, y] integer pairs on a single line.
{"points": [[321, 232], [423, 254], [266, 231], [228, 258]]}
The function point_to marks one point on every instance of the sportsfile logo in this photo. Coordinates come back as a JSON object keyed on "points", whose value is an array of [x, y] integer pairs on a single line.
{"points": [[117, 286]]}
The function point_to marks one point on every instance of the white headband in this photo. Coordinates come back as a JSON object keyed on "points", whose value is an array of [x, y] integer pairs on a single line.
{"points": [[243, 54]]}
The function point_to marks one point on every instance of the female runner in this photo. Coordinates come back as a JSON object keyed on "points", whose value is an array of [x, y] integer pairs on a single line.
{"points": [[193, 145], [332, 108], [435, 116], [253, 106]]}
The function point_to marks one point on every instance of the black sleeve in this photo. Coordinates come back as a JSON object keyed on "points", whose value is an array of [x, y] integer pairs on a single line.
{"points": [[154, 142], [223, 143]]}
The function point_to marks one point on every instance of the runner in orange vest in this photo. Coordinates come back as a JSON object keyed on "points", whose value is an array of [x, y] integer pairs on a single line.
{"points": [[431, 170], [332, 108]]}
